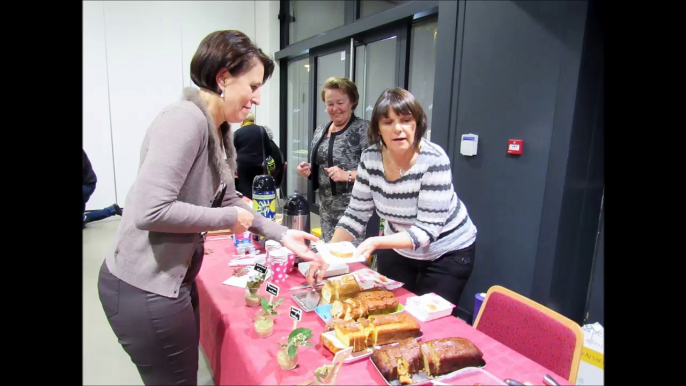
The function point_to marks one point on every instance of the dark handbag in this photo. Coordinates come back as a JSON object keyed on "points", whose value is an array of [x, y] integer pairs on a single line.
{"points": [[265, 170], [264, 157]]}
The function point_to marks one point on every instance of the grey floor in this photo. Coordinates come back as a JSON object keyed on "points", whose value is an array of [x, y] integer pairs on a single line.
{"points": [[104, 360]]}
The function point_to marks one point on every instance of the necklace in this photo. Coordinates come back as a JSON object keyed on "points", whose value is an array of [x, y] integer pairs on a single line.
{"points": [[410, 163], [402, 172]]}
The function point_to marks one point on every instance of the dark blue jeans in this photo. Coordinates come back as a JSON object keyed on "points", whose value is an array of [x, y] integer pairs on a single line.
{"points": [[87, 191], [94, 215]]}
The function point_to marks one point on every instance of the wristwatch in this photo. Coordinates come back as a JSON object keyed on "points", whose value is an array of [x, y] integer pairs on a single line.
{"points": [[350, 177]]}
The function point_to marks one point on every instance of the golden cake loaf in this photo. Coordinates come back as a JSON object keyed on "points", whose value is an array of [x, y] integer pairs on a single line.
{"points": [[375, 331], [364, 304], [340, 289]]}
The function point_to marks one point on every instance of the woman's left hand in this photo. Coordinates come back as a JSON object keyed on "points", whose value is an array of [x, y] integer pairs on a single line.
{"points": [[337, 174], [368, 247]]}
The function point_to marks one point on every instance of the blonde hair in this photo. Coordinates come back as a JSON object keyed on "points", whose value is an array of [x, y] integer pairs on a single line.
{"points": [[345, 85], [249, 118]]}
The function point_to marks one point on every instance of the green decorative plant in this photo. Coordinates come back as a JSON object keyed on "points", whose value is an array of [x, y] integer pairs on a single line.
{"points": [[323, 374], [270, 308], [255, 279], [298, 337]]}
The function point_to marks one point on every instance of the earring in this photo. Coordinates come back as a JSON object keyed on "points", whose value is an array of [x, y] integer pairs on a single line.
{"points": [[222, 94]]}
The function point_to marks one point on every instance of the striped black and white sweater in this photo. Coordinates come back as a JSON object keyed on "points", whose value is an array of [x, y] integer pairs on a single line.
{"points": [[421, 203]]}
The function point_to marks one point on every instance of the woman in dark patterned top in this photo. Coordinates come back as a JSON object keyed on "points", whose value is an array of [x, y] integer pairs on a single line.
{"points": [[335, 152], [429, 238]]}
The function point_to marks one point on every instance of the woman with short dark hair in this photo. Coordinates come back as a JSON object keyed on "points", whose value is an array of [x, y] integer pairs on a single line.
{"points": [[183, 189]]}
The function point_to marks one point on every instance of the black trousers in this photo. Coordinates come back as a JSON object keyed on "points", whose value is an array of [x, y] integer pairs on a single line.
{"points": [[160, 334], [445, 276]]}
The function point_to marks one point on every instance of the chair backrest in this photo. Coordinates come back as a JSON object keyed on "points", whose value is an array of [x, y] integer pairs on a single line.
{"points": [[533, 330]]}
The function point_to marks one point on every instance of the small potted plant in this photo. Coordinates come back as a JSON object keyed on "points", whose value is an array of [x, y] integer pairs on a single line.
{"points": [[264, 318], [287, 355], [323, 375], [255, 280]]}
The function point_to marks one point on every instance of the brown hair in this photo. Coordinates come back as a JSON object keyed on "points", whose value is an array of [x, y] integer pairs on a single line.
{"points": [[403, 103], [229, 49], [345, 85]]}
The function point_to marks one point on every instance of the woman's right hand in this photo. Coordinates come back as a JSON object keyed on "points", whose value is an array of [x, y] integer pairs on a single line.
{"points": [[304, 169], [243, 221]]}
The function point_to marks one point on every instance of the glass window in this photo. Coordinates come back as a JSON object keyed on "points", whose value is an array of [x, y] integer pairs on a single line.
{"points": [[370, 7], [314, 17], [299, 134], [375, 71], [423, 65]]}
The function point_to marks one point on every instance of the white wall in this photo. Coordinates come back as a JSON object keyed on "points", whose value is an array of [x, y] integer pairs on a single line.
{"points": [[96, 112], [202, 17], [267, 23], [144, 69], [137, 60]]}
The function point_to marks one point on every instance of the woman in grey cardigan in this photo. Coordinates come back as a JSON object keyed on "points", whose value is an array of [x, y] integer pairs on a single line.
{"points": [[335, 152], [184, 188]]}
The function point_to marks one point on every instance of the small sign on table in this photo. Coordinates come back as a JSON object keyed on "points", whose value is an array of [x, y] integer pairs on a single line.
{"points": [[272, 290], [295, 314]]}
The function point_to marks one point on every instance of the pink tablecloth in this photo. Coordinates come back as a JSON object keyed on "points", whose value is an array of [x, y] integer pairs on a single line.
{"points": [[237, 356]]}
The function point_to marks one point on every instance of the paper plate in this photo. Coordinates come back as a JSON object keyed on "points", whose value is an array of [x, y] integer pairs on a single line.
{"points": [[324, 251]]}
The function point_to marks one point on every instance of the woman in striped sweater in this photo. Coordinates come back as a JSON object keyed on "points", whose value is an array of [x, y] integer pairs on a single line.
{"points": [[429, 239]]}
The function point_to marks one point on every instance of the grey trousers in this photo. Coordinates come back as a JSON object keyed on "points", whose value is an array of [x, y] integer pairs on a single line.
{"points": [[160, 334]]}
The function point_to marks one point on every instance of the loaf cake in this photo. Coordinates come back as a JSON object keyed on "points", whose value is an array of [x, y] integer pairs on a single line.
{"points": [[375, 331], [443, 356], [364, 304], [392, 328], [399, 362], [354, 336], [333, 322], [437, 357], [334, 345], [340, 289], [343, 250]]}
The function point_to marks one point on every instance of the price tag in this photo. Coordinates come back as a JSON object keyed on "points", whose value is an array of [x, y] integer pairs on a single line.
{"points": [[341, 356], [296, 313], [260, 268], [272, 289], [337, 362]]}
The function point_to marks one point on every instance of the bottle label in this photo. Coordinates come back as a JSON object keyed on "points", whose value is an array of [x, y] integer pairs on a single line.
{"points": [[264, 203]]}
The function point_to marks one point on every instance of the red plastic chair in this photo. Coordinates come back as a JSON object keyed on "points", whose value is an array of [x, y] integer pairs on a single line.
{"points": [[533, 330]]}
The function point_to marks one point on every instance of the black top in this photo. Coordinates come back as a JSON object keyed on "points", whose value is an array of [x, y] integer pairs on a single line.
{"points": [[89, 177], [249, 145], [344, 150], [278, 162]]}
